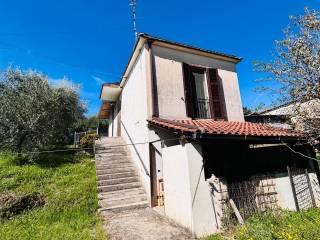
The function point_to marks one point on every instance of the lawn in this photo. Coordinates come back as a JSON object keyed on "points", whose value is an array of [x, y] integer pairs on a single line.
{"points": [[285, 225], [67, 185]]}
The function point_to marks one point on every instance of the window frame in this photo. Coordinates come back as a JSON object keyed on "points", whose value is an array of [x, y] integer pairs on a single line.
{"points": [[190, 91]]}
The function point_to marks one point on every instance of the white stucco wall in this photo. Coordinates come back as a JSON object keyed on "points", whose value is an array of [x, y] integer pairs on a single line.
{"points": [[186, 193], [134, 113], [177, 194], [203, 209], [110, 133], [169, 74], [284, 191]]}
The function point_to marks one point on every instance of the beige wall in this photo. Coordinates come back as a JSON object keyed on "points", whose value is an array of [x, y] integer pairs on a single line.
{"points": [[231, 93], [169, 75], [170, 88]]}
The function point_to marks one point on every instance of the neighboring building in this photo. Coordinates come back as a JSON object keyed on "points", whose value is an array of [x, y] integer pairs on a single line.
{"points": [[285, 115], [180, 109]]}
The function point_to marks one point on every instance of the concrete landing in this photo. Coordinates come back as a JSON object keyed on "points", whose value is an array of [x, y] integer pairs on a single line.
{"points": [[142, 224]]}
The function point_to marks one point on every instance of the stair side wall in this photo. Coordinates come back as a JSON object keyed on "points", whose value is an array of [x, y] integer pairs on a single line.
{"points": [[134, 115]]}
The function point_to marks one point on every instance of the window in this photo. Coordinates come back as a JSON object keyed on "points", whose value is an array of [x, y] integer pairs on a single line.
{"points": [[202, 93]]}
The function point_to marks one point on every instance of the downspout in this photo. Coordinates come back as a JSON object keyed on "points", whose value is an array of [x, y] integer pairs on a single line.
{"points": [[153, 82]]}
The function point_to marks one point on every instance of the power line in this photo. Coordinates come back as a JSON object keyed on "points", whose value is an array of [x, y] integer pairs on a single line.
{"points": [[299, 153]]}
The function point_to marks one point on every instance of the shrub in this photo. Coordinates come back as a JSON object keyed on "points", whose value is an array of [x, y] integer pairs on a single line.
{"points": [[88, 140]]}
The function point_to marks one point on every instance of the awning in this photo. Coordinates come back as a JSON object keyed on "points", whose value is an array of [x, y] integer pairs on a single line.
{"points": [[110, 92], [105, 110]]}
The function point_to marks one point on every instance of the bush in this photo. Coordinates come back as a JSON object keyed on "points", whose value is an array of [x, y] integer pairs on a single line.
{"points": [[88, 140]]}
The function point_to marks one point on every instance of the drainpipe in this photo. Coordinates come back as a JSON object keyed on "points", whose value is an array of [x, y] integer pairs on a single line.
{"points": [[153, 82]]}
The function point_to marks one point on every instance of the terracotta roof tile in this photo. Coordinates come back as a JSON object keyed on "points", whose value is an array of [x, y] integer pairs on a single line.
{"points": [[213, 127]]}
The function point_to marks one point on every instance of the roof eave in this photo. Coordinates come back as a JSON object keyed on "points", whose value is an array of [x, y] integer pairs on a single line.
{"points": [[143, 38]]}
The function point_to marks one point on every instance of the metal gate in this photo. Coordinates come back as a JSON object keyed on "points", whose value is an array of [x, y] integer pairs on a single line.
{"points": [[301, 188]]}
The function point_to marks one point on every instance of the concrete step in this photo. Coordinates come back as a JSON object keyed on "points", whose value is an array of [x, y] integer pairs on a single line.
{"points": [[114, 181], [115, 170], [121, 193], [122, 207], [111, 149], [111, 160], [103, 165], [101, 160], [111, 154], [116, 187], [109, 202], [116, 175], [114, 165], [108, 157]]}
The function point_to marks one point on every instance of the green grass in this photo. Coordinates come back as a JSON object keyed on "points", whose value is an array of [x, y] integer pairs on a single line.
{"points": [[67, 182], [304, 225]]}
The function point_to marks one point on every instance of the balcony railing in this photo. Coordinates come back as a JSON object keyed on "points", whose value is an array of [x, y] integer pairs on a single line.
{"points": [[203, 109]]}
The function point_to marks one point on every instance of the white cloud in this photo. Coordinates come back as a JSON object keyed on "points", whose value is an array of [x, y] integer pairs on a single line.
{"points": [[98, 80], [64, 82]]}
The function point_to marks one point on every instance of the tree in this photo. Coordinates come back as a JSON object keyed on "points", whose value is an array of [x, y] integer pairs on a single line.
{"points": [[246, 111], [296, 70], [34, 114], [86, 124]]}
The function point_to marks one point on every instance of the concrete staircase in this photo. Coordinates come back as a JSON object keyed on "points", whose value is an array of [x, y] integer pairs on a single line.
{"points": [[119, 187]]}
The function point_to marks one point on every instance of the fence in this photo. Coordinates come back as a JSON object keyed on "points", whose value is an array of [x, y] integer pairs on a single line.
{"points": [[243, 199], [301, 187], [78, 135]]}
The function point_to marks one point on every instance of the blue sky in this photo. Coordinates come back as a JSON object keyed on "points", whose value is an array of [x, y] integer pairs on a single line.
{"points": [[89, 42]]}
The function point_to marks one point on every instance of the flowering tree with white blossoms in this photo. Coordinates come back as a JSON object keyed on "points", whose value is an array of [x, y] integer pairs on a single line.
{"points": [[296, 71]]}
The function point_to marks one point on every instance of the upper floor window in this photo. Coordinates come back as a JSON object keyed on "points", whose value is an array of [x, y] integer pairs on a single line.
{"points": [[203, 95]]}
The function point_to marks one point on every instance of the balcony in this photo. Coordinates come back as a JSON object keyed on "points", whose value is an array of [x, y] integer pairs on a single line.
{"points": [[202, 109]]}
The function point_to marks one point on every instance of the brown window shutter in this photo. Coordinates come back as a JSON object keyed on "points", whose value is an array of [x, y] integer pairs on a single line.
{"points": [[188, 97], [215, 94]]}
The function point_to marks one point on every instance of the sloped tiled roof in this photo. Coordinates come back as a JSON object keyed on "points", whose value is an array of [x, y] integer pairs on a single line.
{"points": [[213, 127]]}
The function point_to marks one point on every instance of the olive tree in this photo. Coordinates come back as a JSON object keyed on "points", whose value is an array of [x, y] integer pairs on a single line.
{"points": [[34, 114], [296, 71]]}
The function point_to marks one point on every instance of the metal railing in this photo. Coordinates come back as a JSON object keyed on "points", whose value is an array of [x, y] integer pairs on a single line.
{"points": [[203, 109]]}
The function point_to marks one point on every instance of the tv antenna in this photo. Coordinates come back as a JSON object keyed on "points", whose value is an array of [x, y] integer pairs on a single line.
{"points": [[133, 4]]}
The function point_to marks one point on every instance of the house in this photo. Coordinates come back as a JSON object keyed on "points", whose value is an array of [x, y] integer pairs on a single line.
{"points": [[179, 110], [285, 115]]}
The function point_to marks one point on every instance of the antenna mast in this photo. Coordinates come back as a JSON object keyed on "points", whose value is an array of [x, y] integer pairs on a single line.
{"points": [[133, 4]]}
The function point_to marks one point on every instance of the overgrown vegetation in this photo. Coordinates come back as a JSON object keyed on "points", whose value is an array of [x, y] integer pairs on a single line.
{"points": [[34, 114], [285, 225], [88, 140], [67, 185]]}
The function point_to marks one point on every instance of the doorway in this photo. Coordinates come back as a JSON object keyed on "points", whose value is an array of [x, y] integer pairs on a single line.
{"points": [[156, 170]]}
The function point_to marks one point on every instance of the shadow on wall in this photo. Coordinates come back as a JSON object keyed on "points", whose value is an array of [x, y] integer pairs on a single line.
{"points": [[136, 150]]}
